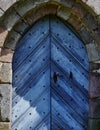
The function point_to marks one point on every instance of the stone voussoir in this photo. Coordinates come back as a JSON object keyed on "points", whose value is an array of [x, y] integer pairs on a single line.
{"points": [[21, 26], [67, 3], [3, 34], [63, 12], [12, 40], [22, 7], [86, 35], [39, 12], [75, 22], [79, 9], [92, 21], [6, 55], [8, 20]]}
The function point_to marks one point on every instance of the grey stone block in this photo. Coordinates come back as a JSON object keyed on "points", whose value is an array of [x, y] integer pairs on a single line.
{"points": [[3, 34], [21, 27], [5, 72], [5, 102], [68, 3], [26, 5], [6, 55], [63, 13], [86, 35], [93, 53], [91, 20], [5, 4], [12, 40], [5, 126], [9, 19]]}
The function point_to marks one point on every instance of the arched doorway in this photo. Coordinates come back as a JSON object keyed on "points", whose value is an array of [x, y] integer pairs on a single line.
{"points": [[50, 79]]}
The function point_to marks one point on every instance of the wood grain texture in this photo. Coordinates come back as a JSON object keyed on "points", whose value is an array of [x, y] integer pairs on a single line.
{"points": [[50, 79]]}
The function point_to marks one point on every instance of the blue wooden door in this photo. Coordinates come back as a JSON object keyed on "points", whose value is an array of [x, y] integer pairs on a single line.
{"points": [[50, 79]]}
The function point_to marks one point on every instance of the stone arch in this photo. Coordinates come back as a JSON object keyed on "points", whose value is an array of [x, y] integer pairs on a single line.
{"points": [[21, 16]]}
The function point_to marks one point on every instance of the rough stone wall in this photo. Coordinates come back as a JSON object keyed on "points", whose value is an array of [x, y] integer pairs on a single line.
{"points": [[15, 21]]}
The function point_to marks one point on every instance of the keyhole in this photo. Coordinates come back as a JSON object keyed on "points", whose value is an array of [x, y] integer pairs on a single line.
{"points": [[71, 75], [55, 77]]}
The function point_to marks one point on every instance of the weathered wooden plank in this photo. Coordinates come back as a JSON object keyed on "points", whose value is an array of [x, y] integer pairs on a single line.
{"points": [[40, 77], [64, 61], [33, 63], [70, 108], [30, 99], [72, 98], [76, 106], [65, 77], [69, 40], [30, 41], [34, 111], [57, 122], [45, 124], [63, 115]]}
